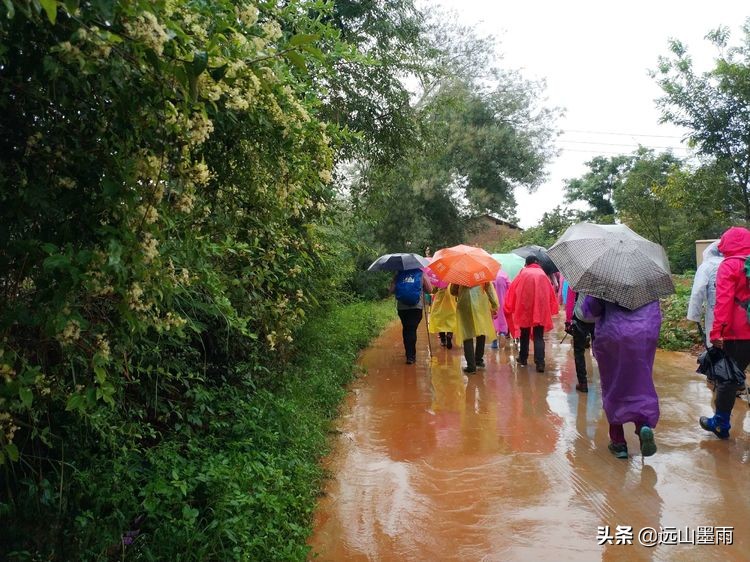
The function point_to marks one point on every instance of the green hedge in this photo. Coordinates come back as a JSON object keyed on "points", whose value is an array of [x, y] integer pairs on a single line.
{"points": [[240, 486]]}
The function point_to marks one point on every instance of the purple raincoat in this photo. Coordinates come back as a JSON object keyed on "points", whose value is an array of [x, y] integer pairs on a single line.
{"points": [[625, 347], [502, 282]]}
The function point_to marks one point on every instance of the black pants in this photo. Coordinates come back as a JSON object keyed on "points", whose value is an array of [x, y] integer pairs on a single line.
{"points": [[581, 331], [739, 350], [473, 357], [410, 320], [523, 352]]}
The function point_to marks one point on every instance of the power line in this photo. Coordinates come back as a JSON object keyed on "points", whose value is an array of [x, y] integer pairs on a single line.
{"points": [[621, 134], [624, 144]]}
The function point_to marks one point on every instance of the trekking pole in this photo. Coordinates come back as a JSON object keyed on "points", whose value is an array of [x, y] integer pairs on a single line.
{"points": [[427, 324]]}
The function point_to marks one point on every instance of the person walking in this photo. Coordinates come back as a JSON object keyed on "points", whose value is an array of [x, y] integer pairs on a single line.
{"points": [[532, 302], [502, 283], [409, 287], [580, 331], [703, 294], [475, 308], [443, 316], [730, 329], [625, 349]]}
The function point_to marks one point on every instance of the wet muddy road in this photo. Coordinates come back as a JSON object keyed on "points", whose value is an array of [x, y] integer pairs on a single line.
{"points": [[510, 464]]}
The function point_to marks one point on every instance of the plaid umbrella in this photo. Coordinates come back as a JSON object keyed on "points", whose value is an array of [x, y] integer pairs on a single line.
{"points": [[398, 262], [464, 265], [540, 252], [612, 262]]}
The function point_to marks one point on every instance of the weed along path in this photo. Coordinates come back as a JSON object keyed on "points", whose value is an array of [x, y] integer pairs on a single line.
{"points": [[510, 464]]}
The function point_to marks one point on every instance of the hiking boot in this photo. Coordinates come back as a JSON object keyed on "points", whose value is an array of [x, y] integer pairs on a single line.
{"points": [[494, 345], [410, 360], [582, 387], [469, 371], [480, 364], [648, 445], [540, 367], [521, 362], [619, 450], [718, 425]]}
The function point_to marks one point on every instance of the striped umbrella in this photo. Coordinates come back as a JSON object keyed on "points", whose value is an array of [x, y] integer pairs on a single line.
{"points": [[464, 265], [613, 263]]}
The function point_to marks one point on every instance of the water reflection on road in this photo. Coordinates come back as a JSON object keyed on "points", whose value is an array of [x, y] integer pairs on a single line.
{"points": [[510, 464]]}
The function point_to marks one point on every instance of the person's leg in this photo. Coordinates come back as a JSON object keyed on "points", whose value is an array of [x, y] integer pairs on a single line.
{"points": [[471, 365], [617, 444], [479, 354], [539, 348], [645, 435], [449, 340], [412, 318], [523, 350], [579, 355], [442, 338], [726, 393]]}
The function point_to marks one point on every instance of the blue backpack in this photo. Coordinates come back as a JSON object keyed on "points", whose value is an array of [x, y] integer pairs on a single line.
{"points": [[409, 286]]}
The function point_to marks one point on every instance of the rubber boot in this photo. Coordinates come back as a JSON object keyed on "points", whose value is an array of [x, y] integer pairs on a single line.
{"points": [[718, 425]]}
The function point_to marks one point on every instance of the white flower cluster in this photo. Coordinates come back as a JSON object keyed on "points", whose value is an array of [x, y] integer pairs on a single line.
{"points": [[199, 128], [149, 247], [7, 427], [147, 28], [70, 334], [248, 15], [102, 347]]}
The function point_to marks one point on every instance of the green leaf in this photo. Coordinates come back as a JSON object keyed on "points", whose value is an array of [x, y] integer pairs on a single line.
{"points": [[56, 262], [101, 374], [27, 397], [302, 39], [297, 60], [50, 6], [76, 402], [10, 8], [219, 72], [199, 64], [12, 451], [71, 5]]}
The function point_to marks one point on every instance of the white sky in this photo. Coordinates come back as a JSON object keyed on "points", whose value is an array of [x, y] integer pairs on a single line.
{"points": [[595, 56]]}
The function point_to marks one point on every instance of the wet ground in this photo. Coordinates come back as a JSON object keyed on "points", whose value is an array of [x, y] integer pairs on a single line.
{"points": [[511, 464]]}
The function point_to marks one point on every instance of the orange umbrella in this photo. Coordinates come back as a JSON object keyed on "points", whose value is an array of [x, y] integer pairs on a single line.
{"points": [[464, 265]]}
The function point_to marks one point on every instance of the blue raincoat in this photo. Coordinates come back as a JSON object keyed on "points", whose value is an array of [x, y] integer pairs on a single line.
{"points": [[625, 347]]}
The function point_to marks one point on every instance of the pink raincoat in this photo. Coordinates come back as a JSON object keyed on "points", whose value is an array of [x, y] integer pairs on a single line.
{"points": [[531, 300], [502, 282], [730, 319]]}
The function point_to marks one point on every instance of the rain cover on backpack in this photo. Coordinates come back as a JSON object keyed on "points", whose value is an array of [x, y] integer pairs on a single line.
{"points": [[408, 288]]}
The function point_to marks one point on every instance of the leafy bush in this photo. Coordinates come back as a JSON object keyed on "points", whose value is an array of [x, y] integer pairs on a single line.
{"points": [[677, 332], [238, 482]]}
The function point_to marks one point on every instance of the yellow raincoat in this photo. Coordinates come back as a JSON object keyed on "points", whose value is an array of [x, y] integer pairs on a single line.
{"points": [[474, 311], [443, 312]]}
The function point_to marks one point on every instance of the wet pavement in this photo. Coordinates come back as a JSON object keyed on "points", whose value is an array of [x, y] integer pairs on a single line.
{"points": [[511, 464]]}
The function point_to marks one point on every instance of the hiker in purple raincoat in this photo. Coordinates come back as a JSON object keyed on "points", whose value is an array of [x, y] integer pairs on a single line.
{"points": [[625, 348]]}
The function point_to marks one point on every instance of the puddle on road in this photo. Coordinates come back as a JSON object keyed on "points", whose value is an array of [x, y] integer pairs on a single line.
{"points": [[510, 464]]}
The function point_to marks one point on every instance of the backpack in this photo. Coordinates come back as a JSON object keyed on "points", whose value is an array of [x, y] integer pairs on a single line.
{"points": [[408, 288]]}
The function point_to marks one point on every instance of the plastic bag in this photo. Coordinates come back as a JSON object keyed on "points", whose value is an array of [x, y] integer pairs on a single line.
{"points": [[719, 367]]}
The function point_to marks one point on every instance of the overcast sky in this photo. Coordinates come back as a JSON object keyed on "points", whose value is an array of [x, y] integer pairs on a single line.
{"points": [[595, 56]]}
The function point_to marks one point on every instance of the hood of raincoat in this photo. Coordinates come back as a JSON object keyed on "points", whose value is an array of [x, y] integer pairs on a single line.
{"points": [[712, 251], [735, 242]]}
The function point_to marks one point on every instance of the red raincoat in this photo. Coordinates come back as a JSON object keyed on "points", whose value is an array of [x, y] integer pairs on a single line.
{"points": [[531, 300], [730, 319]]}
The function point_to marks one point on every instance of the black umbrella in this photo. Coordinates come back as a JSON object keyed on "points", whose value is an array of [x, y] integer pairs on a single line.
{"points": [[545, 261], [398, 262]]}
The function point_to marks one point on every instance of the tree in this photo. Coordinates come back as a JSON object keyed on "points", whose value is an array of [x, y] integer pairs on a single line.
{"points": [[715, 107], [639, 198], [597, 187]]}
